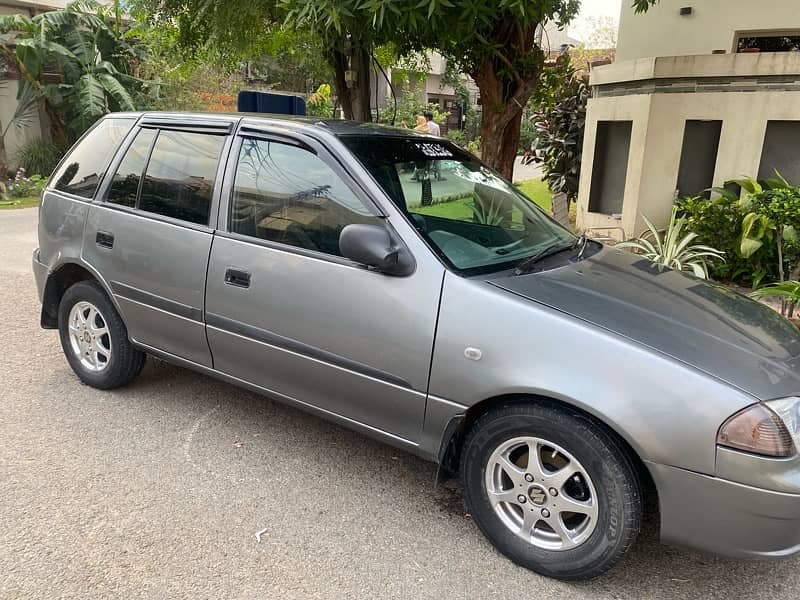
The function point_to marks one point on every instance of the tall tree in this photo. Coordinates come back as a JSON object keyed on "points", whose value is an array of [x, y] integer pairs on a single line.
{"points": [[495, 42], [346, 35]]}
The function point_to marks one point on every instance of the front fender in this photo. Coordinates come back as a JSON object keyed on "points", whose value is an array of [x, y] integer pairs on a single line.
{"points": [[667, 411]]}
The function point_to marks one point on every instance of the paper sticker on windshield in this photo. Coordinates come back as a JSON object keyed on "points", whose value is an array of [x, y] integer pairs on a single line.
{"points": [[433, 150]]}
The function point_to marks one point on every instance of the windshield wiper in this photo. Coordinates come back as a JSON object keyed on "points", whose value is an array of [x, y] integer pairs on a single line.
{"points": [[525, 266]]}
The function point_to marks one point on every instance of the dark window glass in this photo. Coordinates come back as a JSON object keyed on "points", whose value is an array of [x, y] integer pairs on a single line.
{"points": [[698, 157], [126, 180], [781, 151], [769, 43], [611, 148], [180, 175], [289, 195], [81, 172]]}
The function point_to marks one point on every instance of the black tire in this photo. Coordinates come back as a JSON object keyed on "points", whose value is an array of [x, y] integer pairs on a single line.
{"points": [[615, 481], [124, 363]]}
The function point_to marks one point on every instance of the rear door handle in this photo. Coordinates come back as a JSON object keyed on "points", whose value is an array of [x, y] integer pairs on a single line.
{"points": [[237, 277], [104, 239]]}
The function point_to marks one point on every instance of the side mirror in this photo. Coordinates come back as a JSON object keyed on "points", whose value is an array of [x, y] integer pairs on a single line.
{"points": [[376, 247]]}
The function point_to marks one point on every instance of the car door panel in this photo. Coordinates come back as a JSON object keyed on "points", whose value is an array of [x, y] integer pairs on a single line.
{"points": [[344, 339], [309, 324], [151, 235], [156, 271]]}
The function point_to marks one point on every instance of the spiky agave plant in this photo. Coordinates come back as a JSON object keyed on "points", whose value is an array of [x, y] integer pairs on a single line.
{"points": [[673, 250], [487, 214]]}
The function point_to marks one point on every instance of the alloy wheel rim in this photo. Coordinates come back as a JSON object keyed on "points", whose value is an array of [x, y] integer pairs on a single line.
{"points": [[89, 337], [542, 493]]}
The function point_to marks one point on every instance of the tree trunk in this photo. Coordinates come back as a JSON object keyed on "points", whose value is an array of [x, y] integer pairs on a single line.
{"points": [[500, 132], [354, 96], [3, 157], [500, 141], [505, 90]]}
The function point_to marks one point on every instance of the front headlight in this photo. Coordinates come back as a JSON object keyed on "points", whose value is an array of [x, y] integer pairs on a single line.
{"points": [[768, 428]]}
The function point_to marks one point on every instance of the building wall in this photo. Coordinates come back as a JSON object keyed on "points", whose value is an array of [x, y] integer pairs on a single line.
{"points": [[659, 120], [713, 24]]}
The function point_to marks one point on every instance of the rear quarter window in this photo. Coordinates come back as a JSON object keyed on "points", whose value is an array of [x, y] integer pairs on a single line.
{"points": [[83, 168]]}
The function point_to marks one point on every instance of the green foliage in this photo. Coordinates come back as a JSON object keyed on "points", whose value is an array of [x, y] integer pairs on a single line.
{"points": [[674, 250], [718, 223], [319, 104], [39, 156], [559, 123], [23, 186], [773, 213], [92, 57], [410, 105], [788, 290], [487, 213], [458, 137], [494, 42]]}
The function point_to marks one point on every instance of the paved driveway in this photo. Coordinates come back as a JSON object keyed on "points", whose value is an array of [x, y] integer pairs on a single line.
{"points": [[157, 491]]}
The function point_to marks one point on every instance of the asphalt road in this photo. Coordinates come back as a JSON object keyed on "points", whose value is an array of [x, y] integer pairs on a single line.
{"points": [[158, 490]]}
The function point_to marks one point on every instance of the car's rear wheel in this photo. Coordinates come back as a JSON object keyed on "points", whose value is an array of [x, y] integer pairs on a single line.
{"points": [[94, 338], [551, 489]]}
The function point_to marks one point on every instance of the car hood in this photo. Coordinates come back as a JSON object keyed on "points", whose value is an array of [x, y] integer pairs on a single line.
{"points": [[707, 326]]}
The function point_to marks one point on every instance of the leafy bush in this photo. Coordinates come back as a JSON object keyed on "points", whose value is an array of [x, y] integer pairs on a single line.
{"points": [[458, 137], [788, 291], [674, 250], [38, 156], [320, 104], [559, 123], [718, 223], [23, 186], [409, 105]]}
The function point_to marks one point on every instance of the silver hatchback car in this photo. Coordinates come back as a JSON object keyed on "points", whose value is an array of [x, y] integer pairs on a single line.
{"points": [[389, 281]]}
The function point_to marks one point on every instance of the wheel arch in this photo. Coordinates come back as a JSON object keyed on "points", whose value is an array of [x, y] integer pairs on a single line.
{"points": [[59, 281], [452, 443]]}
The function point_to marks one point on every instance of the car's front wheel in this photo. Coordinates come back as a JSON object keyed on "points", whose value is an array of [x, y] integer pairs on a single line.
{"points": [[551, 489], [95, 339]]}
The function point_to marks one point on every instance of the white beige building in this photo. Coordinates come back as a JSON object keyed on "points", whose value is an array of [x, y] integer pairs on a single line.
{"points": [[699, 94]]}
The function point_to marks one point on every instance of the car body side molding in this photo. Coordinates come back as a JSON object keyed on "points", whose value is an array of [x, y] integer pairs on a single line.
{"points": [[279, 341]]}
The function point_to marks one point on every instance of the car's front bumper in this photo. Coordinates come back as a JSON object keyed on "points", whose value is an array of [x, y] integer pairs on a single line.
{"points": [[40, 272], [726, 518]]}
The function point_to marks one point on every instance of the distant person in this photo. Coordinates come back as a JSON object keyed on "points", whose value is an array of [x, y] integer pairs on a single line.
{"points": [[433, 127], [422, 124]]}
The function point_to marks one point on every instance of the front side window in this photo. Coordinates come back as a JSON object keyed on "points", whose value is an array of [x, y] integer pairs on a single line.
{"points": [[125, 185], [180, 175], [81, 172], [289, 195], [470, 216]]}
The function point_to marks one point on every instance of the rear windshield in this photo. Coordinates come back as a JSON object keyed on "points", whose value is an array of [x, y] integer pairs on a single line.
{"points": [[81, 171], [473, 218]]}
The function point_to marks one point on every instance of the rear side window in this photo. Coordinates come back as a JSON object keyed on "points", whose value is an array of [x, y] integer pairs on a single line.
{"points": [[180, 176], [125, 185], [82, 170]]}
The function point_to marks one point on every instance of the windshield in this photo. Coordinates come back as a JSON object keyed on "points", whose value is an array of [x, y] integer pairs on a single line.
{"points": [[474, 219]]}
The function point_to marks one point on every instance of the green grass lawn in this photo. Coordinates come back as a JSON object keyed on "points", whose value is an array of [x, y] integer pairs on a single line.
{"points": [[27, 202], [537, 190], [460, 209]]}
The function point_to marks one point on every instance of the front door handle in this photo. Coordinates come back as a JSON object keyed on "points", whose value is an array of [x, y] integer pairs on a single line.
{"points": [[104, 239], [237, 277]]}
